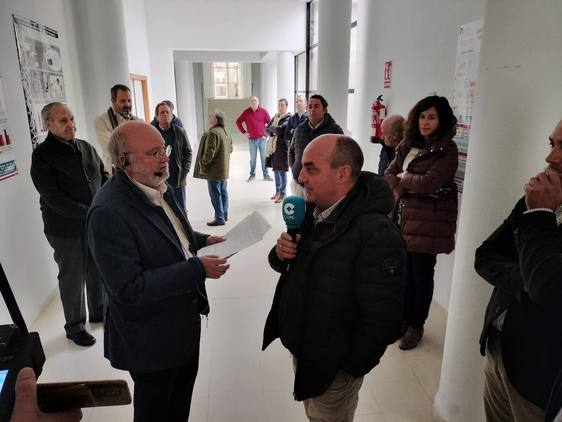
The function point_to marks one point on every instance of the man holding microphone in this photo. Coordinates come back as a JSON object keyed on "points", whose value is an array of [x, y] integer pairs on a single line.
{"points": [[339, 303]]}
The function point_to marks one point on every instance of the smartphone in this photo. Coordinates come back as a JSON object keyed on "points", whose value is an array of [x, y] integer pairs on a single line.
{"points": [[3, 375], [6, 394], [58, 396]]}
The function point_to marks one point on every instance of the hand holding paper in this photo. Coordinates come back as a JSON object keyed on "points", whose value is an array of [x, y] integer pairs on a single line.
{"points": [[246, 233]]}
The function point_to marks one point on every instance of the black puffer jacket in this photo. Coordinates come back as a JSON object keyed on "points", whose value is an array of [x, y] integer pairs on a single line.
{"points": [[303, 135], [341, 304]]}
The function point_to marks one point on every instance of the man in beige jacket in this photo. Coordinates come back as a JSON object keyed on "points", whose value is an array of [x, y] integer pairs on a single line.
{"points": [[119, 112]]}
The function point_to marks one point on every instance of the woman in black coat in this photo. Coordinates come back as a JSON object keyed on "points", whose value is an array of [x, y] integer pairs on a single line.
{"points": [[278, 148]]}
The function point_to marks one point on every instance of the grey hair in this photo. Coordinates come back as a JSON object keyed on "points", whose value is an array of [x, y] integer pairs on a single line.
{"points": [[116, 145], [164, 102], [48, 109], [219, 115]]}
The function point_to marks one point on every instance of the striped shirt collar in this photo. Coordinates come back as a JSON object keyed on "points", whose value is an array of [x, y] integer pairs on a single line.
{"points": [[320, 216]]}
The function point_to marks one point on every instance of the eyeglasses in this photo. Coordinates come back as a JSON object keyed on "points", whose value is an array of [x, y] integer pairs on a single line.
{"points": [[158, 154]]}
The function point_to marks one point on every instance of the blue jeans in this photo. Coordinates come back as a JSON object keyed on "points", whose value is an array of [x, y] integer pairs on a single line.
{"points": [[256, 144], [280, 182], [219, 198]]}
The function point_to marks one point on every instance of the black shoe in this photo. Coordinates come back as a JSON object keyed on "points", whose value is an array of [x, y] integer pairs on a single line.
{"points": [[82, 338], [411, 339], [251, 179], [215, 222], [95, 320], [226, 218]]}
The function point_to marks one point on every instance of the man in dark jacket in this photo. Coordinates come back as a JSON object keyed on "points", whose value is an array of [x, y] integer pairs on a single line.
{"points": [[319, 122], [175, 119], [146, 251], [522, 335], [392, 129], [338, 302], [180, 157], [67, 172], [295, 121]]}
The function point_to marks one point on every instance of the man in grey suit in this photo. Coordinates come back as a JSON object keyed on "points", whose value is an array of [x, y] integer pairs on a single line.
{"points": [[146, 252]]}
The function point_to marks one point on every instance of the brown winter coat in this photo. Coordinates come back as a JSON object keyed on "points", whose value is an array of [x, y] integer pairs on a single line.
{"points": [[426, 196]]}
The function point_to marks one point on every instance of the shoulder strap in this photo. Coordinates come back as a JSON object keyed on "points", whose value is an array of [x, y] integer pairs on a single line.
{"points": [[11, 303]]}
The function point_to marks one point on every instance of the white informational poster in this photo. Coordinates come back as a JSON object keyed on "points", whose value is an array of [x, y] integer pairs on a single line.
{"points": [[42, 78], [7, 156], [466, 71]]}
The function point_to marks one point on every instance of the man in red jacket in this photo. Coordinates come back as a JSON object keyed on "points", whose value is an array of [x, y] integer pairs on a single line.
{"points": [[252, 123]]}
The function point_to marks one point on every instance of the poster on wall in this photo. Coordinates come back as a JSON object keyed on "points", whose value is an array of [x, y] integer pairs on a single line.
{"points": [[464, 94], [39, 52], [7, 155]]}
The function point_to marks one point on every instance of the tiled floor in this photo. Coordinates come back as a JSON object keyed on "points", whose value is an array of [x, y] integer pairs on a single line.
{"points": [[237, 382]]}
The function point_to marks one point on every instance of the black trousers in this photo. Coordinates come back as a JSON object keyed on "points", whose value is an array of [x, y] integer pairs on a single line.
{"points": [[77, 273], [164, 395], [419, 288]]}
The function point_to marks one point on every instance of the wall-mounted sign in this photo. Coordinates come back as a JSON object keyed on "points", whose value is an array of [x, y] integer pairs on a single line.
{"points": [[39, 52], [464, 94], [387, 74], [7, 156]]}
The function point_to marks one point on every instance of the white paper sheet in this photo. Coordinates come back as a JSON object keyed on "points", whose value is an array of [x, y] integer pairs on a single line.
{"points": [[246, 233]]}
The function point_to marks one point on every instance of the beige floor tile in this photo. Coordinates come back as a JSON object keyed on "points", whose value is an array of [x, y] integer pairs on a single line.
{"points": [[403, 401], [277, 372], [367, 404], [237, 407], [369, 417], [392, 367], [427, 369], [281, 407]]}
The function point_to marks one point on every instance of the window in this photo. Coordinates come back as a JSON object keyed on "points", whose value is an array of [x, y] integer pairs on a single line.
{"points": [[226, 80], [313, 47], [351, 90]]}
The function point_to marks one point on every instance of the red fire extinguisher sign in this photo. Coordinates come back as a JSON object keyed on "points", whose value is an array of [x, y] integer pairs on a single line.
{"points": [[387, 74]]}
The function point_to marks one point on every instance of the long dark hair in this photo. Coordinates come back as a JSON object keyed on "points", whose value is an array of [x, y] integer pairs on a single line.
{"points": [[447, 121]]}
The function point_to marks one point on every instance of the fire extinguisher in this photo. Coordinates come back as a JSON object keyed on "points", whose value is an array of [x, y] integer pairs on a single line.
{"points": [[378, 113]]}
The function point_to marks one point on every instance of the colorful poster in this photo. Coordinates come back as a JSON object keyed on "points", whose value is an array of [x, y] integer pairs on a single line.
{"points": [[466, 71], [7, 155], [42, 77]]}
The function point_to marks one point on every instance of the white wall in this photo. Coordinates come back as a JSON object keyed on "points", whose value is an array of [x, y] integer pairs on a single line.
{"points": [[268, 85], [185, 105], [137, 42], [137, 37], [421, 40], [24, 252], [218, 25]]}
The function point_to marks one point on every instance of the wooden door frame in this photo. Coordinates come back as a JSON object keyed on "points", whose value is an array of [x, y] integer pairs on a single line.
{"points": [[144, 85]]}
